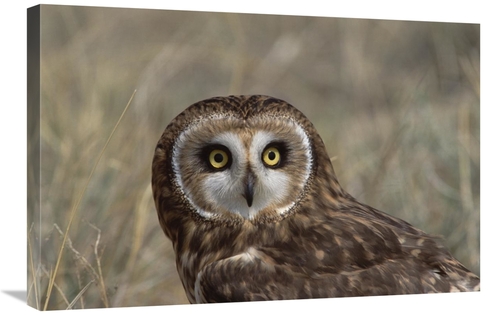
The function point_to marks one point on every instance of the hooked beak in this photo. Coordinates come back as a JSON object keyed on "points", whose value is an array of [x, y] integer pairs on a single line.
{"points": [[249, 184]]}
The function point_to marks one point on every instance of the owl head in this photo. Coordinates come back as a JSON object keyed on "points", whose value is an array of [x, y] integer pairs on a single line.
{"points": [[237, 158]]}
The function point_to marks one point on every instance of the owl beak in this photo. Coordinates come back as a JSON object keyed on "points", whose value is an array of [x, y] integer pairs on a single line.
{"points": [[249, 184]]}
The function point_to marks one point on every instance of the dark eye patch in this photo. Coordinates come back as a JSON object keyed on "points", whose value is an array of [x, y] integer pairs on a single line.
{"points": [[283, 151], [207, 157]]}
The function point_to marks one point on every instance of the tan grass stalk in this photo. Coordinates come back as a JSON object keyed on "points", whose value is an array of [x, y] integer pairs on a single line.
{"points": [[33, 273], [56, 286], [104, 296], [79, 278], [77, 204], [141, 214], [79, 295], [77, 254]]}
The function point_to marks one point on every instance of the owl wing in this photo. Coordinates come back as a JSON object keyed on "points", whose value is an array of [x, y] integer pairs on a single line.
{"points": [[254, 277], [355, 265]]}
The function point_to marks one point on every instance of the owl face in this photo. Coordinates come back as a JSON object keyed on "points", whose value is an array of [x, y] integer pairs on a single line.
{"points": [[229, 166]]}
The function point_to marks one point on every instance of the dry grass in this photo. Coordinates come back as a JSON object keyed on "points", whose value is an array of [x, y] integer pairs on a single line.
{"points": [[397, 104]]}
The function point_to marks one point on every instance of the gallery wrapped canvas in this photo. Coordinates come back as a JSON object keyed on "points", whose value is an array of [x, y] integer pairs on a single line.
{"points": [[268, 187]]}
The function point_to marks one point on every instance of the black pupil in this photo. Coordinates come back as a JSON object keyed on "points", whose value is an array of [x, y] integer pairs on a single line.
{"points": [[271, 155], [218, 158]]}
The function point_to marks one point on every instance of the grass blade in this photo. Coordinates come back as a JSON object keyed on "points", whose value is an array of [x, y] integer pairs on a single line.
{"points": [[77, 204], [79, 295]]}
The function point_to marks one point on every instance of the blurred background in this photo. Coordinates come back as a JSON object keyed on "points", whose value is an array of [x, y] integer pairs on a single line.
{"points": [[396, 103]]}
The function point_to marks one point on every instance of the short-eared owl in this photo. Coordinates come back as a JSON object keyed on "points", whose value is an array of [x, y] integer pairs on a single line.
{"points": [[246, 191]]}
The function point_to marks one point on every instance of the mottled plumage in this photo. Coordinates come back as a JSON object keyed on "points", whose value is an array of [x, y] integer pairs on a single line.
{"points": [[265, 218]]}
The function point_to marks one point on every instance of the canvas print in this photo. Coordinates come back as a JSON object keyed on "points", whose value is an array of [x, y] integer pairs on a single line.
{"points": [[180, 157]]}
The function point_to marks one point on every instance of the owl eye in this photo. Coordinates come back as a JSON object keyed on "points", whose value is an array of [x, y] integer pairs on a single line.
{"points": [[218, 158], [271, 157]]}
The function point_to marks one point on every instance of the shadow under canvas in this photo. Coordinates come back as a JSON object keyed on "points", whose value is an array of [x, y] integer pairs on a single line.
{"points": [[18, 294]]}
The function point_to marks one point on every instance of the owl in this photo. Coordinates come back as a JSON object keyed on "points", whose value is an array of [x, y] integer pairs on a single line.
{"points": [[246, 192]]}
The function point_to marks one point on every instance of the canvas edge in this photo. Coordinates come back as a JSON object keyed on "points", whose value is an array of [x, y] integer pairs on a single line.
{"points": [[33, 154]]}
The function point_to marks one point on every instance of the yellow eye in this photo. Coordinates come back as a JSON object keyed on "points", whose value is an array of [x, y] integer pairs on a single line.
{"points": [[218, 158], [271, 156]]}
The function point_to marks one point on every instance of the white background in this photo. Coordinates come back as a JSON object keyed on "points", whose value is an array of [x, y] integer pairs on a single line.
{"points": [[13, 152]]}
